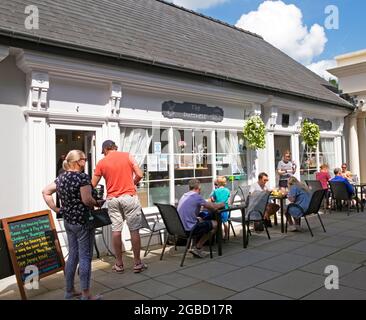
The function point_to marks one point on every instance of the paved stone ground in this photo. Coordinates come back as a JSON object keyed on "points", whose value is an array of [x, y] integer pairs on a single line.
{"points": [[286, 267]]}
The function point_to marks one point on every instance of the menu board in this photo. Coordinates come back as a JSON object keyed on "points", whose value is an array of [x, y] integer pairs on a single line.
{"points": [[32, 242], [6, 268]]}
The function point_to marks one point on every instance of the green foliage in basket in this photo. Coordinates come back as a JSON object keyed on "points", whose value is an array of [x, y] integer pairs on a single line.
{"points": [[310, 133], [255, 132]]}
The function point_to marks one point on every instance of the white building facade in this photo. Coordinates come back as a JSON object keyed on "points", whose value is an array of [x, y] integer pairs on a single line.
{"points": [[176, 95], [61, 103]]}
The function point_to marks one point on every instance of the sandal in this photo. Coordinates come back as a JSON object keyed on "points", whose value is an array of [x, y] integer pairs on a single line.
{"points": [[139, 267], [118, 269], [72, 295], [97, 297]]}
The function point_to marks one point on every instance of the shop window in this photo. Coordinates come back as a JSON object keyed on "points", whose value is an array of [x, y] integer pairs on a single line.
{"points": [[231, 157], [192, 158], [150, 149], [310, 161]]}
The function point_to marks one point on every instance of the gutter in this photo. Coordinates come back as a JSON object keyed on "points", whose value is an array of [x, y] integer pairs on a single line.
{"points": [[119, 56]]}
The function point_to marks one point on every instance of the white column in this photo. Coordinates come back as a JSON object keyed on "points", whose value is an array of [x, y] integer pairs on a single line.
{"points": [[270, 159], [37, 166], [353, 146], [171, 165], [361, 126], [213, 157], [338, 152], [295, 150]]}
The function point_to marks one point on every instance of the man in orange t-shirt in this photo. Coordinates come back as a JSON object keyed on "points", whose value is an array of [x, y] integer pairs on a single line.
{"points": [[121, 173]]}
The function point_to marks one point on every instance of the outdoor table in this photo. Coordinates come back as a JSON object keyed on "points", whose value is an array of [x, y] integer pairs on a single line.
{"points": [[360, 186], [240, 207], [281, 199]]}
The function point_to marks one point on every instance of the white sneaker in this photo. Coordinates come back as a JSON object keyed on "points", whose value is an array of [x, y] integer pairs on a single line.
{"points": [[298, 228], [198, 253], [291, 228]]}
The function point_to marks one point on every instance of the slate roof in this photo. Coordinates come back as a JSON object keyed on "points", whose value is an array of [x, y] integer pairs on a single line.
{"points": [[159, 33]]}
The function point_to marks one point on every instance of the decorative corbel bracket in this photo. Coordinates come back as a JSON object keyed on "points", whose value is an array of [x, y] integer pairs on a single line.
{"points": [[39, 87], [115, 100]]}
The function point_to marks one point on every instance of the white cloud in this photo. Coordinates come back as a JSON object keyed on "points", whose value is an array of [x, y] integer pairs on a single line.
{"points": [[282, 25], [198, 4], [321, 67]]}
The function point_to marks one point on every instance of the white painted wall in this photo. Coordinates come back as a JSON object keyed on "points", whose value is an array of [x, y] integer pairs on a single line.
{"points": [[13, 159], [78, 97], [147, 106], [354, 83]]}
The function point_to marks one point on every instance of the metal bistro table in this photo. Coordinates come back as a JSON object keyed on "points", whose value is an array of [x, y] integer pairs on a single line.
{"points": [[359, 187], [240, 207], [282, 201]]}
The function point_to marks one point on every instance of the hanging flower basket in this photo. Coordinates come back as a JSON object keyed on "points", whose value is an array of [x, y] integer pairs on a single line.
{"points": [[255, 132], [310, 133]]}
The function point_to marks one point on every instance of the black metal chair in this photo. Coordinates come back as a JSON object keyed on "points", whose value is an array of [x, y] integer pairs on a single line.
{"points": [[340, 194], [256, 207], [174, 227], [154, 227], [314, 185], [314, 206], [237, 197]]}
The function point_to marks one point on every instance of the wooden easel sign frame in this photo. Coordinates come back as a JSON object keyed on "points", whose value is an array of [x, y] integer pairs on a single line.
{"points": [[33, 242]]}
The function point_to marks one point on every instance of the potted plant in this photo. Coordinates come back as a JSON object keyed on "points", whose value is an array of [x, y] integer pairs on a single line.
{"points": [[255, 132], [310, 133]]}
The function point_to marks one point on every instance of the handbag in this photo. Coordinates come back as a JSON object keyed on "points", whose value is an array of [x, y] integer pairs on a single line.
{"points": [[99, 218]]}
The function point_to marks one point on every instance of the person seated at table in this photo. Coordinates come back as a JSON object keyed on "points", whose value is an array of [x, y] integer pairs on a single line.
{"points": [[338, 176], [189, 207], [298, 194], [272, 208], [346, 173], [222, 195]]}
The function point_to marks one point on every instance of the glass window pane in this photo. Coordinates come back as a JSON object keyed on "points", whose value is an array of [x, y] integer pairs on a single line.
{"points": [[327, 152], [159, 192], [308, 162]]}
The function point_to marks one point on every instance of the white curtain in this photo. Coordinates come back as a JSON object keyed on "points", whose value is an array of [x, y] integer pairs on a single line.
{"points": [[232, 147], [137, 142], [327, 150]]}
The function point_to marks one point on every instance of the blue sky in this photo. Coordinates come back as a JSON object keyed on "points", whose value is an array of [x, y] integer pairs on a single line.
{"points": [[351, 35]]}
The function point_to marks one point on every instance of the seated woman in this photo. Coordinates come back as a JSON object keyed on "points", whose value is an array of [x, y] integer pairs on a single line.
{"points": [[299, 195]]}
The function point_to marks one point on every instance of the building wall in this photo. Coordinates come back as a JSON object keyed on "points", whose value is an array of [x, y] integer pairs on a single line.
{"points": [[355, 83], [13, 139], [80, 96]]}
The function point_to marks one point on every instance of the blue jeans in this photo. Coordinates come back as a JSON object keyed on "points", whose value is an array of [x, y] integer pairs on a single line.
{"points": [[81, 241]]}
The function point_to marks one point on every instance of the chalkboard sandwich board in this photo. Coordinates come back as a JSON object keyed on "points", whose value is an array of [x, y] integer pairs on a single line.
{"points": [[33, 247]]}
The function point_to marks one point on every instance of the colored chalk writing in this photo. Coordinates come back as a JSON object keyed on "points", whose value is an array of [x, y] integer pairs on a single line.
{"points": [[33, 247], [34, 244]]}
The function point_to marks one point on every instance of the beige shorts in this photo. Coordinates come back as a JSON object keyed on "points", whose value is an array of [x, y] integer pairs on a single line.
{"points": [[127, 208]]}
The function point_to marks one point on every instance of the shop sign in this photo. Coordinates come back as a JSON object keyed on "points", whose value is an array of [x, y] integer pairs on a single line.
{"points": [[192, 111]]}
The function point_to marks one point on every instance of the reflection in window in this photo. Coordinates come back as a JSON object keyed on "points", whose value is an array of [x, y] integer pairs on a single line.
{"points": [[231, 157], [308, 158], [327, 152], [150, 149]]}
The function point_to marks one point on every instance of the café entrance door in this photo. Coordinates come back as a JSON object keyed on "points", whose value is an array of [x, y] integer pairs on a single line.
{"points": [[67, 140]]}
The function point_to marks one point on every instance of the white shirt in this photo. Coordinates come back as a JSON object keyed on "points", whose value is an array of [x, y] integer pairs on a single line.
{"points": [[256, 187]]}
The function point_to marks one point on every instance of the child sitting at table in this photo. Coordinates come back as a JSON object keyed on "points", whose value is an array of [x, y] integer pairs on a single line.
{"points": [[222, 194]]}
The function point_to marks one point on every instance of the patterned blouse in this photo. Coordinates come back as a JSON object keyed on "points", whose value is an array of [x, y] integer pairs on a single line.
{"points": [[68, 185]]}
